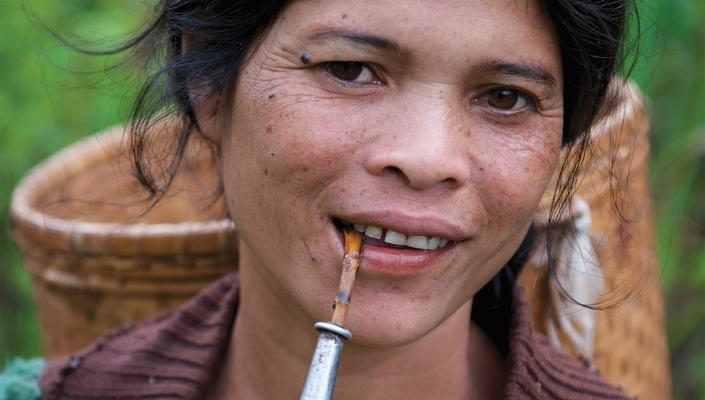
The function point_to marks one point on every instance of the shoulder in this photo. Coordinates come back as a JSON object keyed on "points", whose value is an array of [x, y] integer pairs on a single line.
{"points": [[538, 370], [20, 379], [169, 356]]}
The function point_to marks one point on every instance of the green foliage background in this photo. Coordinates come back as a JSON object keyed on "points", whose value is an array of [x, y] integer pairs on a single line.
{"points": [[50, 97]]}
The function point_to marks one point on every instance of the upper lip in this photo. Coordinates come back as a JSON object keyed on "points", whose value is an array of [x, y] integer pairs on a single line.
{"points": [[416, 224]]}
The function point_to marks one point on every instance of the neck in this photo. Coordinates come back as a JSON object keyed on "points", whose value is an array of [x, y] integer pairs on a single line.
{"points": [[270, 354]]}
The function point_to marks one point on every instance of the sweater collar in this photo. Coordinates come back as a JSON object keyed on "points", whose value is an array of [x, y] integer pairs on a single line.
{"points": [[176, 354]]}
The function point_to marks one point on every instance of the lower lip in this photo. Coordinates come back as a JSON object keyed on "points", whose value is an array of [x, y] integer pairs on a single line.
{"points": [[400, 261]]}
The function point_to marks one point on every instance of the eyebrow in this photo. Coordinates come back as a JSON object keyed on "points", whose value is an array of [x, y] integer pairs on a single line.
{"points": [[357, 38], [528, 71]]}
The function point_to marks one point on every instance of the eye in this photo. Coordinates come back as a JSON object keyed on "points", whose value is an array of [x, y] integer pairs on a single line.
{"points": [[352, 72], [507, 99]]}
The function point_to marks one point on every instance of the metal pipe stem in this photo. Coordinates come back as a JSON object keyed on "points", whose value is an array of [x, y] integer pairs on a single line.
{"points": [[320, 381]]}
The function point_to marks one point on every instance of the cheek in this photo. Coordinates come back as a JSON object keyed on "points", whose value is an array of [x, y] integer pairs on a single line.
{"points": [[292, 143], [516, 169]]}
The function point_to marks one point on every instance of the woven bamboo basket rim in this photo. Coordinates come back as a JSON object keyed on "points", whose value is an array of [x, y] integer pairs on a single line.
{"points": [[88, 237]]}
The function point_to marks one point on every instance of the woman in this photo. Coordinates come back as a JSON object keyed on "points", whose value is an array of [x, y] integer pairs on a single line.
{"points": [[434, 127]]}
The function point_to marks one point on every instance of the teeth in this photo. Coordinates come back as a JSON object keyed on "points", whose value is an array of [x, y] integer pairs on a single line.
{"points": [[400, 239], [417, 242], [395, 238], [433, 243], [373, 231]]}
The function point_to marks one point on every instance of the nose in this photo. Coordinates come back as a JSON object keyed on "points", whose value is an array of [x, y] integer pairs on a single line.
{"points": [[424, 149]]}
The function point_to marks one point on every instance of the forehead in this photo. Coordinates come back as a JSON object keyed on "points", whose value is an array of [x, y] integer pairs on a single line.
{"points": [[437, 30]]}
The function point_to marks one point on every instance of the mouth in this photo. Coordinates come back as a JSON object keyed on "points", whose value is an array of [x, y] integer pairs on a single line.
{"points": [[386, 237]]}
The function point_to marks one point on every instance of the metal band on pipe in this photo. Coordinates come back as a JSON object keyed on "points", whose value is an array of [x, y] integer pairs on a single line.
{"points": [[327, 326]]}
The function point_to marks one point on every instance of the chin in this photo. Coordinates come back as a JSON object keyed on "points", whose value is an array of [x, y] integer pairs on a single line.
{"points": [[393, 320]]}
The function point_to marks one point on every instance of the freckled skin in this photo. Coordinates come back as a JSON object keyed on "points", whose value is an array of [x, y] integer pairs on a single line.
{"points": [[416, 142]]}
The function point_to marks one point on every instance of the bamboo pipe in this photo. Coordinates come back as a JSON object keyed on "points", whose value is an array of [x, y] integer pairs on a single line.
{"points": [[320, 380]]}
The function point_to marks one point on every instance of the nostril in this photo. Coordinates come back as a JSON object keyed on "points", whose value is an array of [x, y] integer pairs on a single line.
{"points": [[419, 168], [394, 171], [452, 181], [397, 172]]}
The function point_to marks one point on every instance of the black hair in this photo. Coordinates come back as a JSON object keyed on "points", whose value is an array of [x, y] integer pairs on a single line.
{"points": [[219, 33]]}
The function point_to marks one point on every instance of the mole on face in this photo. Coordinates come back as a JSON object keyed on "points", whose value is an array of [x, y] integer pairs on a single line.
{"points": [[271, 95], [305, 58]]}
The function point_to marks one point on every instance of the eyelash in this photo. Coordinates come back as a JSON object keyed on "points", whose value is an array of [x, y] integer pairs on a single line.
{"points": [[327, 68], [530, 100]]}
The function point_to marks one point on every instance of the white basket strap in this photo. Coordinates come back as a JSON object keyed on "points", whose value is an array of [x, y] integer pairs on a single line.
{"points": [[578, 271]]}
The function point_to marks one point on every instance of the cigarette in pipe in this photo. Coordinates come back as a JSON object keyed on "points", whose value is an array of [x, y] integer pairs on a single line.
{"points": [[320, 380]]}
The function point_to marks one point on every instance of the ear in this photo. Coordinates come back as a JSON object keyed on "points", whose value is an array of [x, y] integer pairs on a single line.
{"points": [[205, 107], [205, 110]]}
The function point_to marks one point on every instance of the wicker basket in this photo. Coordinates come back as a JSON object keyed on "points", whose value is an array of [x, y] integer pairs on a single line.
{"points": [[99, 258]]}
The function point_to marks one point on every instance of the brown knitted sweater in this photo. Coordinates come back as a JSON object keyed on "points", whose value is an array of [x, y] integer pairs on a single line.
{"points": [[174, 356]]}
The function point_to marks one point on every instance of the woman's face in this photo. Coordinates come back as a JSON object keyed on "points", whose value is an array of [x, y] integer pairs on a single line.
{"points": [[437, 120]]}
